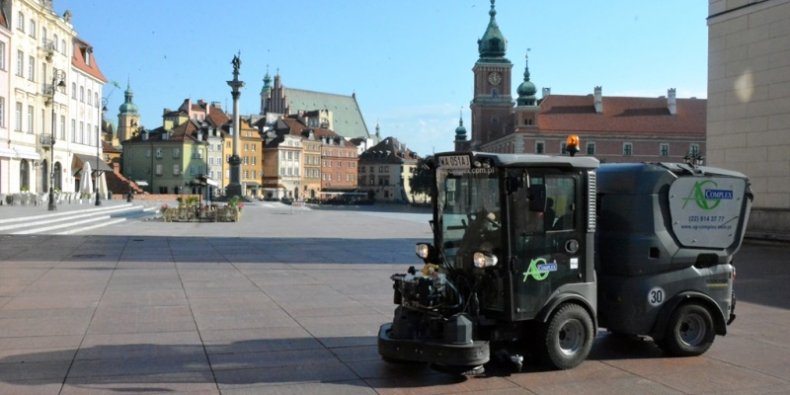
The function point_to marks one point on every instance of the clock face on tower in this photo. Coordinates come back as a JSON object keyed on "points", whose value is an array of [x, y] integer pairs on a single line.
{"points": [[494, 78]]}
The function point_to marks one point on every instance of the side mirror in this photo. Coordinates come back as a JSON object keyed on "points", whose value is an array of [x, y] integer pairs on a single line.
{"points": [[537, 197]]}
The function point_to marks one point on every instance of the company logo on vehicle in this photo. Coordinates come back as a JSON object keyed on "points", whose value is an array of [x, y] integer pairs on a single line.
{"points": [[539, 269], [707, 198]]}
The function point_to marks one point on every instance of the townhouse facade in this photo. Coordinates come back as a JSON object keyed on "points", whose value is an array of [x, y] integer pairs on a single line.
{"points": [[385, 172], [166, 160], [53, 90]]}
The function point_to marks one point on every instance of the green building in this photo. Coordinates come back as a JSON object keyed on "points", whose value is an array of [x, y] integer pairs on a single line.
{"points": [[167, 160]]}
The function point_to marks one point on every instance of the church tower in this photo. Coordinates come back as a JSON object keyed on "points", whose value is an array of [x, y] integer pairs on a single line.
{"points": [[128, 116], [266, 91], [492, 105]]}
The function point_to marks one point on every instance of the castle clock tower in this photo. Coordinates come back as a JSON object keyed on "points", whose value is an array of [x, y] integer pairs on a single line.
{"points": [[492, 105]]}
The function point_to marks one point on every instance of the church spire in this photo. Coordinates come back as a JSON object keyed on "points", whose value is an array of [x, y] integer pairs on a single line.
{"points": [[493, 43], [526, 91], [460, 131]]}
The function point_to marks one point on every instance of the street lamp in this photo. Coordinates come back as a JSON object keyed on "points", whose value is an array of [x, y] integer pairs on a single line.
{"points": [[58, 81], [98, 146]]}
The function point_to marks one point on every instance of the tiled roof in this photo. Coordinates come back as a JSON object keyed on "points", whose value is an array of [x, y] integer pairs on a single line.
{"points": [[389, 150], [216, 117], [81, 48], [633, 115], [346, 115]]}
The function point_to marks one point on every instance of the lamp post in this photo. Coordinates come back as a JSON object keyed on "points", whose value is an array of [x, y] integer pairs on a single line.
{"points": [[98, 147], [58, 81]]}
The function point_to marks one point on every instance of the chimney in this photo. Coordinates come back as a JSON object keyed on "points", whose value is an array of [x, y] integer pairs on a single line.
{"points": [[598, 99], [672, 103], [546, 92]]}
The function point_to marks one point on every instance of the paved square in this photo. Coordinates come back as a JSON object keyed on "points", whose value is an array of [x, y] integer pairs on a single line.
{"points": [[289, 301]]}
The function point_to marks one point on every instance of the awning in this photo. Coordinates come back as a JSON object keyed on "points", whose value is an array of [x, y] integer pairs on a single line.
{"points": [[79, 159], [26, 153]]}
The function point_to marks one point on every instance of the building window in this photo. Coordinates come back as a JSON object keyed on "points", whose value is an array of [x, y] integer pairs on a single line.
{"points": [[2, 112], [176, 153], [74, 90], [30, 119], [18, 117], [20, 25], [628, 149], [540, 147], [158, 169], [82, 132], [73, 130], [20, 63], [63, 127], [563, 148], [591, 149], [158, 153], [32, 31], [90, 95], [2, 56], [694, 149], [82, 94], [176, 170], [31, 68], [663, 149]]}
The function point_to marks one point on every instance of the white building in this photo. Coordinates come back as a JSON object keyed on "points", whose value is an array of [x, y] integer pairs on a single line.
{"points": [[49, 69]]}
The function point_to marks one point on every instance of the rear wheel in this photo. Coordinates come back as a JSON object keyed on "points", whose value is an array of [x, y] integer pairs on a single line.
{"points": [[690, 331], [568, 337]]}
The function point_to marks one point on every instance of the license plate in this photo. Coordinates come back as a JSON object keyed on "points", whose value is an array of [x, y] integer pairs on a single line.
{"points": [[454, 162]]}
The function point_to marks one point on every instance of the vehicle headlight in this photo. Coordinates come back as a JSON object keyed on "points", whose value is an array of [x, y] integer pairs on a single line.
{"points": [[423, 250], [483, 259]]}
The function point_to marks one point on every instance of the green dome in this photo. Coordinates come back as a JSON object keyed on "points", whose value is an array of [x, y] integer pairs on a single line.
{"points": [[460, 131], [527, 88], [128, 107], [493, 43], [526, 91]]}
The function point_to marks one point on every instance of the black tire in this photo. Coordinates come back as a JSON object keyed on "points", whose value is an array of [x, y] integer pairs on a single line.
{"points": [[568, 337], [690, 331]]}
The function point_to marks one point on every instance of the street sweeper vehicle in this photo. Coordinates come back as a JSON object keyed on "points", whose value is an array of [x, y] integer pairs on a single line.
{"points": [[531, 254]]}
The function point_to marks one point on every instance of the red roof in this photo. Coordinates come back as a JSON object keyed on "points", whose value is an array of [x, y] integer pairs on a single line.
{"points": [[83, 50], [632, 115]]}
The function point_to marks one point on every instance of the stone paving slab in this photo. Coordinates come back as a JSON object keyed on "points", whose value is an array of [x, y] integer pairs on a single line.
{"points": [[289, 302]]}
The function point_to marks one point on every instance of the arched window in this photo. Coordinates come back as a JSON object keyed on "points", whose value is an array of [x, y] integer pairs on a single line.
{"points": [[24, 175]]}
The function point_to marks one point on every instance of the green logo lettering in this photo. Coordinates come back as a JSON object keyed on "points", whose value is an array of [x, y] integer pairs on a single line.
{"points": [[697, 194], [534, 271]]}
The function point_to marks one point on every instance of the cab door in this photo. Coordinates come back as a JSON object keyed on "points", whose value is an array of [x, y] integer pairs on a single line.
{"points": [[546, 236]]}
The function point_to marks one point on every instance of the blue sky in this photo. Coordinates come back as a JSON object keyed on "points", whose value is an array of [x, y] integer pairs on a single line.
{"points": [[408, 61]]}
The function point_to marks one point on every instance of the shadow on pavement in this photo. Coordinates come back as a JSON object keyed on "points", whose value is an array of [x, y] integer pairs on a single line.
{"points": [[255, 362], [219, 250]]}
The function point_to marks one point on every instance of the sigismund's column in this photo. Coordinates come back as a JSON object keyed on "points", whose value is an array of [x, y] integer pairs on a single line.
{"points": [[234, 187]]}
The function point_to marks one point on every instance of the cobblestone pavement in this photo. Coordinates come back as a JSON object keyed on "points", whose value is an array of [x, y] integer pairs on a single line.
{"points": [[289, 301]]}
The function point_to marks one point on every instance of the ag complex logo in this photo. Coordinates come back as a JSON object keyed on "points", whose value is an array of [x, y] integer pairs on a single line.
{"points": [[706, 196]]}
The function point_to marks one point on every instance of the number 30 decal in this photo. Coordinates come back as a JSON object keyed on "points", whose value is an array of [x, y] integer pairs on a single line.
{"points": [[656, 296]]}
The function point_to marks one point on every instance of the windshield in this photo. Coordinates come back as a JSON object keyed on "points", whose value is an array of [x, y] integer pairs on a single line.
{"points": [[468, 212]]}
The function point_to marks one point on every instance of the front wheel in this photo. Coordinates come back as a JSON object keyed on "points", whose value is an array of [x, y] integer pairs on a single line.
{"points": [[568, 337], [690, 331]]}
